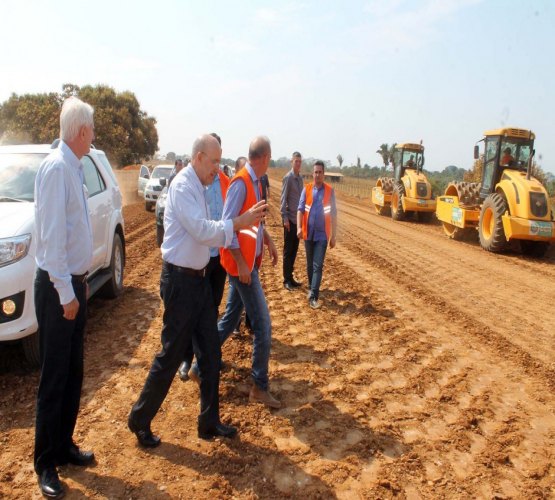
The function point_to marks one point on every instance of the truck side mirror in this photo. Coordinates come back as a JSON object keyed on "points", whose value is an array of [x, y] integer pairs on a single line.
{"points": [[476, 152]]}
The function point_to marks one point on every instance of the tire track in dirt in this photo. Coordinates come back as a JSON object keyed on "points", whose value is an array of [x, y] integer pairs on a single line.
{"points": [[463, 285], [446, 384], [411, 377], [534, 365]]}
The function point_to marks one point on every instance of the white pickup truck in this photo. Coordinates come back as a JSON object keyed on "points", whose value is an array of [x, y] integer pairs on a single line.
{"points": [[18, 169]]}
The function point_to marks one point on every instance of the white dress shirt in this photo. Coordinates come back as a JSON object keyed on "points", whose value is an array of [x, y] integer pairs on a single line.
{"points": [[62, 220], [188, 230]]}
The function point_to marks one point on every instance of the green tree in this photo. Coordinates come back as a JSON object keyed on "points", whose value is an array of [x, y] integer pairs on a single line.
{"points": [[340, 160], [170, 156], [125, 132], [30, 118], [386, 155]]}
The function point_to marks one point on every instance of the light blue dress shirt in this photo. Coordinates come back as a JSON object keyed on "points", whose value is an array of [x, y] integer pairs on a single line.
{"points": [[62, 220], [215, 206], [188, 230], [234, 200]]}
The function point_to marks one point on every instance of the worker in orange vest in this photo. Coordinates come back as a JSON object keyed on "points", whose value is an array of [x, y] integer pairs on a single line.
{"points": [[242, 259], [317, 225]]}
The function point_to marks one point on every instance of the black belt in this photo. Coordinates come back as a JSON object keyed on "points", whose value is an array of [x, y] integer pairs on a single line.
{"points": [[186, 270], [80, 278]]}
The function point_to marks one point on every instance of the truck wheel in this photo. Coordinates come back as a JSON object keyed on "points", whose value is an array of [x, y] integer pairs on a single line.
{"points": [[534, 248], [114, 287], [31, 349], [159, 234], [490, 226], [397, 212]]}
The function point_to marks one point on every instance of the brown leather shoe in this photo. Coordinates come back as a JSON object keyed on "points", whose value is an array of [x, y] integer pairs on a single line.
{"points": [[257, 395]]}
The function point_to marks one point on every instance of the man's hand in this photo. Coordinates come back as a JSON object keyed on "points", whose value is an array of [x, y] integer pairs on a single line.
{"points": [[332, 242], [299, 232], [244, 273], [286, 225], [71, 309], [251, 217], [272, 250]]}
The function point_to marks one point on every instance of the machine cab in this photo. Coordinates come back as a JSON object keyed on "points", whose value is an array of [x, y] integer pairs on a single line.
{"points": [[407, 155], [507, 148]]}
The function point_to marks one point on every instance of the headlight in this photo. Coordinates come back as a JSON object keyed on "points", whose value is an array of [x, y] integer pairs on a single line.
{"points": [[14, 248]]}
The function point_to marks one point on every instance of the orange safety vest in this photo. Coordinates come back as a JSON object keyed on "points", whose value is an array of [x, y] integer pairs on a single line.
{"points": [[246, 237], [327, 209], [224, 183]]}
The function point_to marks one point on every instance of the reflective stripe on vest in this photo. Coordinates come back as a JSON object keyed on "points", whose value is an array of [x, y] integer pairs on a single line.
{"points": [[327, 209], [246, 237]]}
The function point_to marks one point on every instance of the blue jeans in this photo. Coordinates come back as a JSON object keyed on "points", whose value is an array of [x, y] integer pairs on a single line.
{"points": [[254, 301], [315, 254]]}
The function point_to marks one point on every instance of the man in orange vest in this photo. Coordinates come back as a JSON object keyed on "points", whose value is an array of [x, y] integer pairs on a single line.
{"points": [[317, 225], [241, 260]]}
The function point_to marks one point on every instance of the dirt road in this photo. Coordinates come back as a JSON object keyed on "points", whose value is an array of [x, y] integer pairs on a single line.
{"points": [[429, 372]]}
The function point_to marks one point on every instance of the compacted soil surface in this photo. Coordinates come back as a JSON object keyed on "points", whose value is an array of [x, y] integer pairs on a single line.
{"points": [[428, 372]]}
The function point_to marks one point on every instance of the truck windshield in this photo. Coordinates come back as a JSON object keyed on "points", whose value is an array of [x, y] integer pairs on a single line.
{"points": [[411, 159], [161, 172], [515, 154], [17, 175]]}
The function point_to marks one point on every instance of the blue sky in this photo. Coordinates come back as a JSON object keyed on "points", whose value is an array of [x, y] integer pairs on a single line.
{"points": [[320, 77]]}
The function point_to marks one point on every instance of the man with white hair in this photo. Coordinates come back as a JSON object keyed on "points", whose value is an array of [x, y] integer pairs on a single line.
{"points": [[63, 257]]}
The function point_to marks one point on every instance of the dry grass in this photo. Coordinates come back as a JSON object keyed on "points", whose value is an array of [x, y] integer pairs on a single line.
{"points": [[352, 186]]}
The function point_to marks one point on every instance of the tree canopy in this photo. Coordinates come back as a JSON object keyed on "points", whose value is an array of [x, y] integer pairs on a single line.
{"points": [[124, 131], [386, 152]]}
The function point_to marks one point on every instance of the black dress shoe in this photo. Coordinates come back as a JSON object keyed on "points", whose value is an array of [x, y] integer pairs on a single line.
{"points": [[144, 436], [289, 286], [227, 431], [79, 457], [49, 483], [295, 283], [183, 371], [76, 456]]}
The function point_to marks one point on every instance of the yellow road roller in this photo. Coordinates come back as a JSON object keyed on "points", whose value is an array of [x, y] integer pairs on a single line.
{"points": [[408, 191], [509, 204]]}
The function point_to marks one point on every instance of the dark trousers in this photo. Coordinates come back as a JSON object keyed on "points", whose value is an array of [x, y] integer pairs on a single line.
{"points": [[189, 316], [290, 247], [61, 371], [216, 275]]}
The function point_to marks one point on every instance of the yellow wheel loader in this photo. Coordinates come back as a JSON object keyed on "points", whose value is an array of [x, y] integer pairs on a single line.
{"points": [[409, 191], [509, 204]]}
